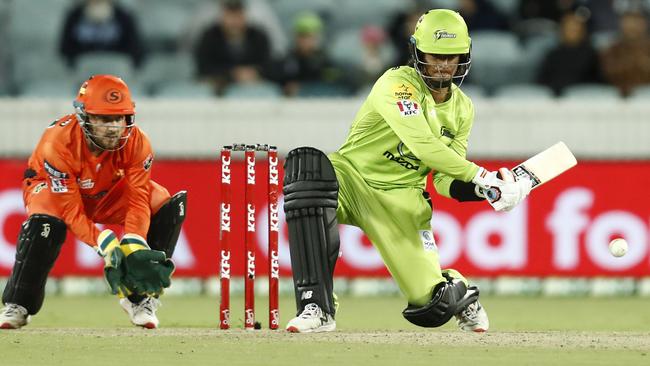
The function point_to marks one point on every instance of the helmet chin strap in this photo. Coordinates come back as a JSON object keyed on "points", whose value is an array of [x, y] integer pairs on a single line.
{"points": [[437, 86]]}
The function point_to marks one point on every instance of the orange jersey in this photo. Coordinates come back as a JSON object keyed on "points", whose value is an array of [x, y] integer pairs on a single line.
{"points": [[83, 188]]}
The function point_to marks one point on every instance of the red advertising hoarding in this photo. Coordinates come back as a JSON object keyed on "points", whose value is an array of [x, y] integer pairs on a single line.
{"points": [[562, 229]]}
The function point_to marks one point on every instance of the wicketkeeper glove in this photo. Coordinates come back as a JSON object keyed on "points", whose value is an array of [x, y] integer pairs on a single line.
{"points": [[109, 248], [147, 271]]}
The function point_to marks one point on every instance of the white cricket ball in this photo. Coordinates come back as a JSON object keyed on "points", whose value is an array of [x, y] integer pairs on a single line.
{"points": [[618, 247]]}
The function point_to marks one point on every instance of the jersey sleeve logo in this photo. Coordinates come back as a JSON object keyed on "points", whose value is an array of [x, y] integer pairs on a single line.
{"points": [[408, 108], [403, 91], [147, 162], [58, 185], [54, 172]]}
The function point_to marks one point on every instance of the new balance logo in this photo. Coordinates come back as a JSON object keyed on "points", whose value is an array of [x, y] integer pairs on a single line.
{"points": [[306, 295]]}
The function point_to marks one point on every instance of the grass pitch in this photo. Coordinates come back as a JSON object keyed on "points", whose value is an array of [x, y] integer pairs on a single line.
{"points": [[524, 331]]}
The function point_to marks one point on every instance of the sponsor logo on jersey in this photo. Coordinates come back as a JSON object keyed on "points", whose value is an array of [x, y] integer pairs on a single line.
{"points": [[147, 162], [401, 161], [445, 132], [428, 242], [39, 187], [441, 33], [401, 150], [54, 172], [403, 91], [86, 183], [58, 185], [63, 123], [408, 108]]}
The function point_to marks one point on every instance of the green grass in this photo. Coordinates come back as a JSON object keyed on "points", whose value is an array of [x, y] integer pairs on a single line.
{"points": [[93, 331]]}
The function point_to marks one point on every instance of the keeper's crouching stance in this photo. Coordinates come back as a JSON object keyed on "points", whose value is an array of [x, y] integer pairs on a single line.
{"points": [[415, 121], [94, 167]]}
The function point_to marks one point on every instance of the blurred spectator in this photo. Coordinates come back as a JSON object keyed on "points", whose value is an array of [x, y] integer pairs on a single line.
{"points": [[232, 51], [400, 30], [374, 61], [258, 13], [306, 62], [482, 15], [547, 9], [541, 18], [574, 60], [100, 26], [602, 16], [626, 64]]}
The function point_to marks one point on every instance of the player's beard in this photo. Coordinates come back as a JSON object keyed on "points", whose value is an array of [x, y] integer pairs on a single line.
{"points": [[112, 140], [108, 142]]}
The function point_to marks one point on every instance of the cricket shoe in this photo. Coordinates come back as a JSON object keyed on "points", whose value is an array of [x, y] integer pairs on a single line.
{"points": [[473, 318], [311, 320], [142, 314], [13, 316]]}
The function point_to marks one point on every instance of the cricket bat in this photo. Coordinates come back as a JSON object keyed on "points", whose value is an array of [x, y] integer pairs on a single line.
{"points": [[546, 165]]}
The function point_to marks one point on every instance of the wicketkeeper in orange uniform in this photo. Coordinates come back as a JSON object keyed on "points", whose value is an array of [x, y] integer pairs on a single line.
{"points": [[94, 167]]}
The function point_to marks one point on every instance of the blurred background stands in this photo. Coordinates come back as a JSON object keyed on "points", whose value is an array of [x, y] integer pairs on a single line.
{"points": [[511, 41]]}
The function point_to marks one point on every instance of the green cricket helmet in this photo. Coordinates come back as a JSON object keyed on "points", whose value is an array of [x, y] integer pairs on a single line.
{"points": [[441, 32]]}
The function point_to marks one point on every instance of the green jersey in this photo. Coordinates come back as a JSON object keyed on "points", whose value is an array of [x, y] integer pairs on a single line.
{"points": [[400, 134]]}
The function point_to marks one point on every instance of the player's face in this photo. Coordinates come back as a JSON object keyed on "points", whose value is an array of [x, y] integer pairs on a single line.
{"points": [[441, 67], [107, 130]]}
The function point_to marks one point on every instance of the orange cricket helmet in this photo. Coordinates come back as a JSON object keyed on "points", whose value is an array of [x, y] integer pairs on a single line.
{"points": [[104, 95]]}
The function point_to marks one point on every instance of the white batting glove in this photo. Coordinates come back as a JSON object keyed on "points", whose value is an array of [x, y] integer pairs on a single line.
{"points": [[486, 179], [508, 195]]}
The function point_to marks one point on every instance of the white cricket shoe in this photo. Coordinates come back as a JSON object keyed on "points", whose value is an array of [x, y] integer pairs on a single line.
{"points": [[142, 314], [473, 318], [311, 320], [13, 316]]}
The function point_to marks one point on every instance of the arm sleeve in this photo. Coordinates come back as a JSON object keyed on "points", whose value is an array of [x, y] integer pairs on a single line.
{"points": [[138, 189], [65, 193], [414, 132]]}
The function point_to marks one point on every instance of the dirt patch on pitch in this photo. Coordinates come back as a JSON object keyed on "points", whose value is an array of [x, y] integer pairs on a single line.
{"points": [[558, 340]]}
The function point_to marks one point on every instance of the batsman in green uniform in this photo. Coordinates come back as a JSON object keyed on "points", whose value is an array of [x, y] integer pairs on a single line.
{"points": [[416, 120]]}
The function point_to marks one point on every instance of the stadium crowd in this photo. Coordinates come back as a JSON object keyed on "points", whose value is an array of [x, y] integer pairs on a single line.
{"points": [[317, 48]]}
